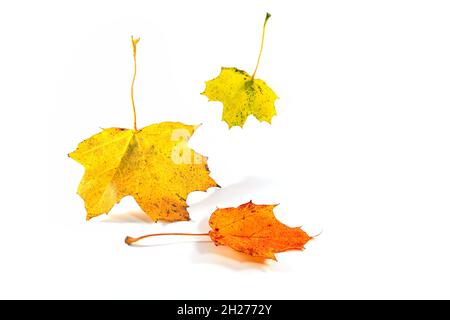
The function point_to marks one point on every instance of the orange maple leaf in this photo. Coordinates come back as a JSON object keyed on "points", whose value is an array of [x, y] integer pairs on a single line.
{"points": [[251, 229], [254, 230]]}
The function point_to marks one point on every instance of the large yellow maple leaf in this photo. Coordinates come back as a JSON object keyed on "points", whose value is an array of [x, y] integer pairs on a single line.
{"points": [[154, 165], [242, 94]]}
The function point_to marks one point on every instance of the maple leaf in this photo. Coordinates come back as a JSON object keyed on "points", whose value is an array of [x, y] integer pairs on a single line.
{"points": [[251, 229], [254, 230], [242, 94], [154, 165]]}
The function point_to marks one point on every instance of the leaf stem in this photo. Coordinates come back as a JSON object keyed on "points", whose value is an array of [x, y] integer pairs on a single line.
{"points": [[262, 43], [130, 240], [134, 42]]}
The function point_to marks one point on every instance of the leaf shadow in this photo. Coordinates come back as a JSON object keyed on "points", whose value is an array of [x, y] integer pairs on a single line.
{"points": [[232, 192], [207, 252], [127, 217]]}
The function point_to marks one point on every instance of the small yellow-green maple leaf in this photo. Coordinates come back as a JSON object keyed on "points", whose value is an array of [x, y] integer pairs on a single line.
{"points": [[242, 94], [153, 164]]}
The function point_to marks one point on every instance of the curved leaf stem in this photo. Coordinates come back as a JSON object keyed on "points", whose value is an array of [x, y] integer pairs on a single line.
{"points": [[262, 44], [134, 42], [131, 240]]}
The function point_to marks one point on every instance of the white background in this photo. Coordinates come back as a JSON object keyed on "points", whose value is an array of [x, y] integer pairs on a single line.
{"points": [[359, 149]]}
